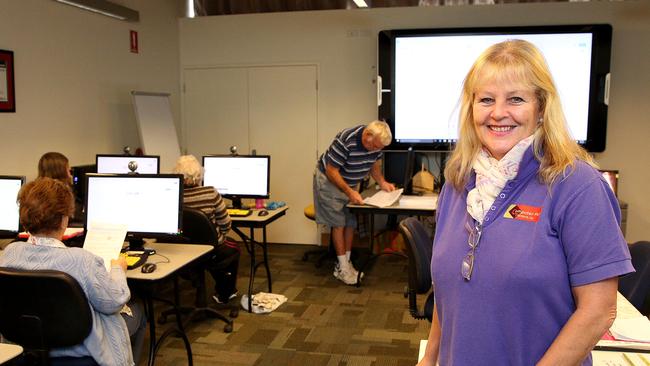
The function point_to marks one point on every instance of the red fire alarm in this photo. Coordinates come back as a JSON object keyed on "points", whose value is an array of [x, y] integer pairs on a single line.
{"points": [[134, 41]]}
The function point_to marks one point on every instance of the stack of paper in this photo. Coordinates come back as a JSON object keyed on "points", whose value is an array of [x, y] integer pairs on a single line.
{"points": [[383, 198], [631, 329]]}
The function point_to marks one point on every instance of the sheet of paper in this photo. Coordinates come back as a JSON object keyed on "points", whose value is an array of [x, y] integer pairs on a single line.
{"points": [[624, 309], [105, 241], [430, 201], [606, 358], [383, 198], [631, 329]]}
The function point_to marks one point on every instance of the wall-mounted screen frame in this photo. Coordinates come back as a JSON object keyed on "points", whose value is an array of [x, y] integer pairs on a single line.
{"points": [[422, 71]]}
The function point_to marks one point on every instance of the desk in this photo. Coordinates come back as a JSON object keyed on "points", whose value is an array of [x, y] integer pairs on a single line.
{"points": [[252, 222], [179, 256], [407, 205], [9, 351]]}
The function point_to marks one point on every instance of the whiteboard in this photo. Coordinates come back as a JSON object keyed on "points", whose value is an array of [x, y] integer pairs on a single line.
{"points": [[156, 127]]}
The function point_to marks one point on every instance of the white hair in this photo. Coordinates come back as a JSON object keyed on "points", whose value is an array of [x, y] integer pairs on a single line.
{"points": [[380, 130], [191, 169]]}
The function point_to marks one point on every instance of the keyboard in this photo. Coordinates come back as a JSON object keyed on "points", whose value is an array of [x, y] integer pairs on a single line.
{"points": [[237, 212]]}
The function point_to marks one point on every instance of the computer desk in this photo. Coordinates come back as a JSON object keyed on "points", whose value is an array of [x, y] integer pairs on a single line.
{"points": [[179, 255], [9, 352], [252, 222], [407, 205]]}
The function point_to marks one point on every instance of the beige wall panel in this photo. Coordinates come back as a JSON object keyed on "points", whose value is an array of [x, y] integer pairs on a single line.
{"points": [[215, 110], [283, 122]]}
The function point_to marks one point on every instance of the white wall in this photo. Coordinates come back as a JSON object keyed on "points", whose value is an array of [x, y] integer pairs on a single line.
{"points": [[74, 72], [343, 44]]}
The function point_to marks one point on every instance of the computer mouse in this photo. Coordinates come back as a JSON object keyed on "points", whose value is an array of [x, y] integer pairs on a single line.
{"points": [[262, 213], [148, 267]]}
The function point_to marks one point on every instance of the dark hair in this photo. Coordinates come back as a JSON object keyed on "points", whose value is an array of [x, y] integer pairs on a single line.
{"points": [[43, 204], [53, 165]]}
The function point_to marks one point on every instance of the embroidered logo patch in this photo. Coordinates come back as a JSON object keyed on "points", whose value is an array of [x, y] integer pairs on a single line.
{"points": [[523, 213]]}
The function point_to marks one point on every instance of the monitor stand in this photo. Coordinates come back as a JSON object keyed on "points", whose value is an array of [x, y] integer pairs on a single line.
{"points": [[408, 172], [136, 244], [236, 202]]}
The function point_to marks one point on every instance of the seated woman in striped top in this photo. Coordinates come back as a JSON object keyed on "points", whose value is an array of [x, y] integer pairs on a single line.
{"points": [[225, 260]]}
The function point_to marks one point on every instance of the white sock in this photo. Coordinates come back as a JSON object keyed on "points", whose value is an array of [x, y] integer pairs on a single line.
{"points": [[343, 261], [348, 254]]}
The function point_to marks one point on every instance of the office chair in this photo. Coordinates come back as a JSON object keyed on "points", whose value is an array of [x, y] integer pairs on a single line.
{"points": [[41, 310], [198, 229], [636, 286], [419, 249]]}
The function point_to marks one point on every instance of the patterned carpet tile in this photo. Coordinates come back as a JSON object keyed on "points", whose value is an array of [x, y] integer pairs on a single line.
{"points": [[324, 322]]}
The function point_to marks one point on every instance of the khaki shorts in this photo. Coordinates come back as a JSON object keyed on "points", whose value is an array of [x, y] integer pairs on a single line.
{"points": [[330, 202]]}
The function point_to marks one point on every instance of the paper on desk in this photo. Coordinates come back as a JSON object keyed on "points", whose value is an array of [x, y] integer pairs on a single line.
{"points": [[631, 329], [608, 358], [383, 198], [428, 201], [105, 241]]}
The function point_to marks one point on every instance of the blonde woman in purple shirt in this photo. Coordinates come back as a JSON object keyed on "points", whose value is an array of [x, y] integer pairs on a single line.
{"points": [[527, 248]]}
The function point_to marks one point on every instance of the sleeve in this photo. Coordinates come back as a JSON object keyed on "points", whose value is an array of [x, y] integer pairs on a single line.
{"points": [[588, 229], [222, 218], [107, 292], [338, 152]]}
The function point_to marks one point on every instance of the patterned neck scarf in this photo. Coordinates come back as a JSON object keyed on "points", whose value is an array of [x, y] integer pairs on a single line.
{"points": [[45, 241], [492, 175]]}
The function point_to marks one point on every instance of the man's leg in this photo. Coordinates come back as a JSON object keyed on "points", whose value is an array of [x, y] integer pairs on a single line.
{"points": [[342, 239]]}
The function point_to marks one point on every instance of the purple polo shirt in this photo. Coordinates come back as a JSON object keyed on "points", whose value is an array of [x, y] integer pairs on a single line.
{"points": [[536, 244]]}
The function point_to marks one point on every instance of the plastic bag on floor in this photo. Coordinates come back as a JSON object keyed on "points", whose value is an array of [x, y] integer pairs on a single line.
{"points": [[263, 302]]}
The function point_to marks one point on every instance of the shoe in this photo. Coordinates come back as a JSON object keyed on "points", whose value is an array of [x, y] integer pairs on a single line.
{"points": [[354, 270], [346, 276], [337, 269], [218, 301]]}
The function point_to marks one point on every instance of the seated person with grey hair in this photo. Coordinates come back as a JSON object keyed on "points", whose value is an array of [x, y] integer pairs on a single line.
{"points": [[224, 262]]}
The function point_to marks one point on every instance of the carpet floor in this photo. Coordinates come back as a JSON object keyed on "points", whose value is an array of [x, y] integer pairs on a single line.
{"points": [[323, 323]]}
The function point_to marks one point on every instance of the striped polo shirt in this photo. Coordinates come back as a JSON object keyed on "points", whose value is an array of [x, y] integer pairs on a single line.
{"points": [[348, 154], [208, 200]]}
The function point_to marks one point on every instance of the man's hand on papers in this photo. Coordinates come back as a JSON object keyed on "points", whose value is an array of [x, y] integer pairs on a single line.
{"points": [[388, 187], [355, 198]]}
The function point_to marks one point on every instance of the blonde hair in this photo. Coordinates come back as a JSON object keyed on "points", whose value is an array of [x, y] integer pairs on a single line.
{"points": [[521, 62], [191, 169], [380, 130]]}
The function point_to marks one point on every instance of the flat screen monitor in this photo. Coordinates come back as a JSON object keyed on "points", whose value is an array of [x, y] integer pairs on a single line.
{"points": [[119, 164], [149, 205], [9, 213], [238, 176], [423, 72]]}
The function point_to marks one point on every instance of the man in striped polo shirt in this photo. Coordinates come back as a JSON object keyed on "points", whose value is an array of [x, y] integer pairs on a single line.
{"points": [[353, 154]]}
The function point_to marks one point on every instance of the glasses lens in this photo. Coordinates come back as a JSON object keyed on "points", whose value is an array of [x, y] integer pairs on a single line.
{"points": [[467, 266]]}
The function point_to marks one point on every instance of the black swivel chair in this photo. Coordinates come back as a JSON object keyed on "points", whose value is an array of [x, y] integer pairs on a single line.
{"points": [[636, 286], [198, 229], [41, 310], [419, 249]]}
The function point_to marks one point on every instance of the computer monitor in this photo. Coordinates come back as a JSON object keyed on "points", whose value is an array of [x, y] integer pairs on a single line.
{"points": [[238, 176], [119, 164], [149, 205], [9, 213]]}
